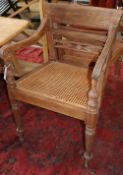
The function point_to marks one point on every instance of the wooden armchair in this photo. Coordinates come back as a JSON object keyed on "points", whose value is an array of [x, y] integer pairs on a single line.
{"points": [[24, 7], [76, 90], [7, 5]]}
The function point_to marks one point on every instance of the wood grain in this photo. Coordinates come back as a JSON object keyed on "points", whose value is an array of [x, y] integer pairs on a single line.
{"points": [[10, 27], [61, 85]]}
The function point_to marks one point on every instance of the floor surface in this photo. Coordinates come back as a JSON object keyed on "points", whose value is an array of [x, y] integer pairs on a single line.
{"points": [[53, 142]]}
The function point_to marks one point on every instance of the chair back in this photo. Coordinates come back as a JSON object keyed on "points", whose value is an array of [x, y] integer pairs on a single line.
{"points": [[77, 33], [83, 16]]}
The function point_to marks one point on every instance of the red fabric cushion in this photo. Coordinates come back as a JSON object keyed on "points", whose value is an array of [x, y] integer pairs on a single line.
{"points": [[31, 54]]}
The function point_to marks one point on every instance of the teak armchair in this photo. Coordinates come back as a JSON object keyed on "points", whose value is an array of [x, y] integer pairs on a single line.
{"points": [[75, 34]]}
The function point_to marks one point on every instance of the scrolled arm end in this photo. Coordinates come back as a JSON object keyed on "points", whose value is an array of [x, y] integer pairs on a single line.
{"points": [[6, 52]]}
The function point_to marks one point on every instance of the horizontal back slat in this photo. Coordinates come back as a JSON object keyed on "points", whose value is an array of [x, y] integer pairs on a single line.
{"points": [[78, 29], [81, 36], [79, 15], [66, 45], [80, 54], [84, 60], [69, 43]]}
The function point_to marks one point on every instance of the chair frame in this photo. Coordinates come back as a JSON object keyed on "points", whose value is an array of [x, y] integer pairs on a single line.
{"points": [[97, 84]]}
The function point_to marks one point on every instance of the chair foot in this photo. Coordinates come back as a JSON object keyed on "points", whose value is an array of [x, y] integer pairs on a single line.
{"points": [[20, 134], [87, 158]]}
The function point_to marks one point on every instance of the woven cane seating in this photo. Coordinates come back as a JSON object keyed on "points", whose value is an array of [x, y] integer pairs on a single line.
{"points": [[54, 86], [60, 85]]}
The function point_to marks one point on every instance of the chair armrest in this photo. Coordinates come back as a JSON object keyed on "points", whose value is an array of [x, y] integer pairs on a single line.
{"points": [[105, 55], [7, 51], [99, 74]]}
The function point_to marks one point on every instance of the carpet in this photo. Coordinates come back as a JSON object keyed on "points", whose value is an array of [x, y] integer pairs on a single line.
{"points": [[53, 142]]}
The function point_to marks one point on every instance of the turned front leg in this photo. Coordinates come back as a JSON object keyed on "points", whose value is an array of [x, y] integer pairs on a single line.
{"points": [[89, 141], [91, 121], [11, 85], [18, 120]]}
